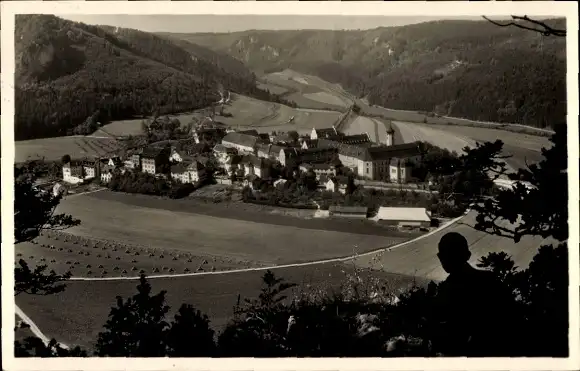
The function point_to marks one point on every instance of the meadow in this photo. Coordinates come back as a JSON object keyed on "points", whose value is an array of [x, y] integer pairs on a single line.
{"points": [[189, 228], [52, 149]]}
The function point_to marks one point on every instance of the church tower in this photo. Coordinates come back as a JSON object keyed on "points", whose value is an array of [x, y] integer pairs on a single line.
{"points": [[390, 135]]}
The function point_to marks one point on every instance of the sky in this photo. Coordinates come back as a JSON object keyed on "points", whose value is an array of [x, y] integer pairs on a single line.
{"points": [[234, 23]]}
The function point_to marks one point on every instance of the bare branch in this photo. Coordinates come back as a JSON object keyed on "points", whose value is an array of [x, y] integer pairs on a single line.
{"points": [[542, 27]]}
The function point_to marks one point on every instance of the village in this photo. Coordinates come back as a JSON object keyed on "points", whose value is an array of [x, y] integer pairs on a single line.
{"points": [[325, 162]]}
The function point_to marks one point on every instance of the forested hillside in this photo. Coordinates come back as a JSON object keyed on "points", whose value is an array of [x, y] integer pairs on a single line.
{"points": [[70, 74], [467, 69]]}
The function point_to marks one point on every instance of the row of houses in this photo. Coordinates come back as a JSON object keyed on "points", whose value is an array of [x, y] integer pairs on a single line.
{"points": [[365, 158]]}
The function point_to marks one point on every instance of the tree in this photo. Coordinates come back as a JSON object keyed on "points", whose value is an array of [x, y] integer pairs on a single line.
{"points": [[540, 206], [36, 282], [34, 210], [65, 159], [135, 327], [526, 23], [350, 186], [189, 335], [35, 347]]}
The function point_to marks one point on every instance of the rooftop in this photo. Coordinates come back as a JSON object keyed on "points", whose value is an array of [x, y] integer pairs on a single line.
{"points": [[403, 214]]}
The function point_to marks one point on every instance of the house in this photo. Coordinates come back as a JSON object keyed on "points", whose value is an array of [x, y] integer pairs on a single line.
{"points": [[399, 170], [185, 172], [359, 212], [254, 165], [319, 169], [318, 155], [309, 143], [336, 184], [404, 216], [153, 158], [269, 151], [242, 142], [222, 153], [91, 168], [373, 162], [107, 173], [208, 135], [114, 162], [289, 156], [323, 133], [73, 172]]}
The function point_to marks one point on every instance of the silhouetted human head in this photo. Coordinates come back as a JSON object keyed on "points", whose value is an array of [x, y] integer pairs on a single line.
{"points": [[453, 252]]}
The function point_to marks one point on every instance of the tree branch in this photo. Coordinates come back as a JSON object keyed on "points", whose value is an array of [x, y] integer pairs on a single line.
{"points": [[542, 28]]}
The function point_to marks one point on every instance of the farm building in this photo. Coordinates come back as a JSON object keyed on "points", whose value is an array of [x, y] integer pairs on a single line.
{"points": [[348, 211], [114, 161], [404, 216], [242, 142], [323, 133], [153, 158]]}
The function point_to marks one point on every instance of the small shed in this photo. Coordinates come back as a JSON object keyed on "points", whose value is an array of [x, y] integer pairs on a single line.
{"points": [[404, 216], [348, 211]]}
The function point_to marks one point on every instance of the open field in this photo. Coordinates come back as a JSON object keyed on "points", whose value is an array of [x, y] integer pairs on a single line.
{"points": [[266, 116], [522, 147], [94, 257], [415, 132], [376, 129], [76, 315], [326, 98], [418, 258], [54, 148], [148, 223]]}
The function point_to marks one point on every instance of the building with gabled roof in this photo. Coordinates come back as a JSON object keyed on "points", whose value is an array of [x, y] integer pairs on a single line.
{"points": [[242, 142], [323, 133], [188, 172], [404, 216], [254, 165], [153, 157]]}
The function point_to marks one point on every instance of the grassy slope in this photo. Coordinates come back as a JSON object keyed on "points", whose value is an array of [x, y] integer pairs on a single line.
{"points": [[410, 67]]}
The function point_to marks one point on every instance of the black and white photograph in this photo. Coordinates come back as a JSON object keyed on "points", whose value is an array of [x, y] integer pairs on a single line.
{"points": [[281, 184]]}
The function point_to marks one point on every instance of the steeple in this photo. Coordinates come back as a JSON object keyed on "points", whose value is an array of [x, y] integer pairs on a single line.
{"points": [[390, 137]]}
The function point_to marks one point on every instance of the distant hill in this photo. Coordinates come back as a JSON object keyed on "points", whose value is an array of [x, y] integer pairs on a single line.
{"points": [[68, 71], [456, 68]]}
